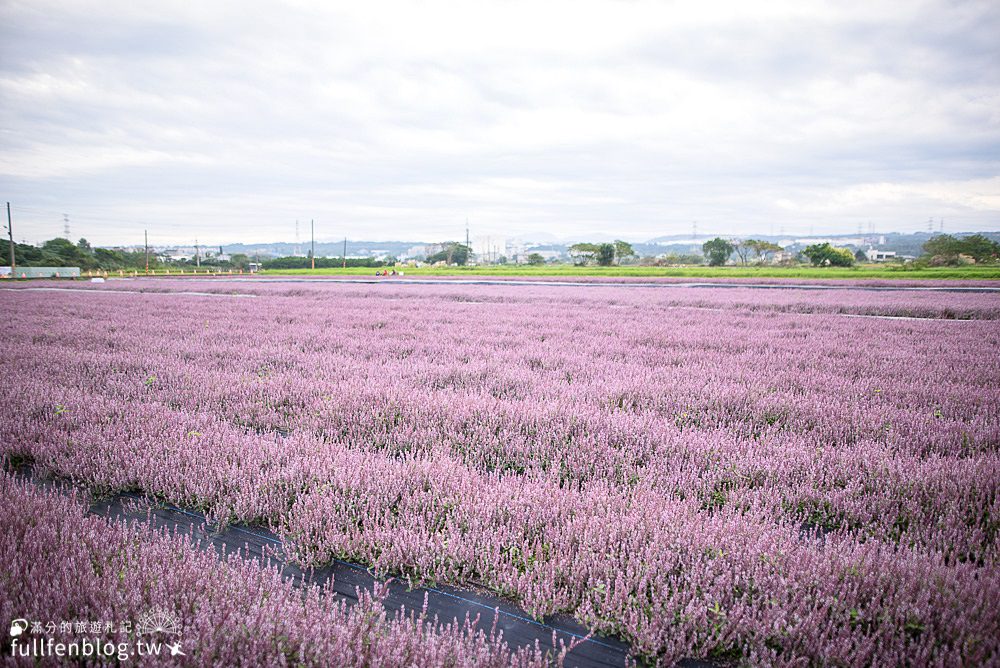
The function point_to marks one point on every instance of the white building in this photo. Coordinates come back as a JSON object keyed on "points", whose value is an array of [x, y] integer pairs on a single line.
{"points": [[875, 255], [782, 256]]}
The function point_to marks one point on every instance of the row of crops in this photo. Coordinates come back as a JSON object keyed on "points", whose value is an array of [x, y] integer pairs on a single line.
{"points": [[730, 474]]}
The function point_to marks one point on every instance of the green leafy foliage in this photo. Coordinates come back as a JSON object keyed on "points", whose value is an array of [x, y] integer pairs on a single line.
{"points": [[717, 251], [825, 255]]}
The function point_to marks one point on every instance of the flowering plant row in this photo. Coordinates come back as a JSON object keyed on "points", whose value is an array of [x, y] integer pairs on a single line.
{"points": [[720, 482], [63, 564]]}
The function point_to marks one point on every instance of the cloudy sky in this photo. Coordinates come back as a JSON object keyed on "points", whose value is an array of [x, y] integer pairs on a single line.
{"points": [[383, 120]]}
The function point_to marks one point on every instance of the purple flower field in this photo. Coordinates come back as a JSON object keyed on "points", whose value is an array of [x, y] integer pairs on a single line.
{"points": [[223, 609], [741, 475]]}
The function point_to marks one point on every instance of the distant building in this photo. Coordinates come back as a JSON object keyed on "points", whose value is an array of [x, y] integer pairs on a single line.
{"points": [[875, 255], [177, 254], [782, 256]]}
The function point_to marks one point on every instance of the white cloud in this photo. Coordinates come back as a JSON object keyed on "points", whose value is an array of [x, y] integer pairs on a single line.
{"points": [[400, 119]]}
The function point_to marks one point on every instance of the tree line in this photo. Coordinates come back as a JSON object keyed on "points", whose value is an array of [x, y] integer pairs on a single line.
{"points": [[940, 250], [719, 250], [61, 252], [604, 255], [947, 250]]}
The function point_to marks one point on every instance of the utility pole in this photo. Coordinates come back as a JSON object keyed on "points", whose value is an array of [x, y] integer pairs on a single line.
{"points": [[345, 252], [145, 234], [197, 254], [312, 242], [10, 232]]}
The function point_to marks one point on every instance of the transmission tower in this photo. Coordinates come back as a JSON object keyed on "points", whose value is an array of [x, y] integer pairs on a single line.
{"points": [[65, 226]]}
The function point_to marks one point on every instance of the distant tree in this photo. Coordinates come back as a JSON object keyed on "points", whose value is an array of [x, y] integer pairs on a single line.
{"points": [[623, 249], [942, 246], [946, 249], [980, 248], [817, 253], [583, 252], [605, 255], [64, 253], [822, 255], [25, 255], [842, 257], [239, 260], [717, 251], [860, 256], [452, 253], [535, 259], [61, 252], [742, 249], [109, 258], [762, 249]]}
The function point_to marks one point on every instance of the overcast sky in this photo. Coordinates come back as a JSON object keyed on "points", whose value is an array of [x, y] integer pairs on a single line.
{"points": [[227, 122]]}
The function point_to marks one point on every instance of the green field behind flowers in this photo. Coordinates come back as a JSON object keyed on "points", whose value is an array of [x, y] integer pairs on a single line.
{"points": [[972, 272]]}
